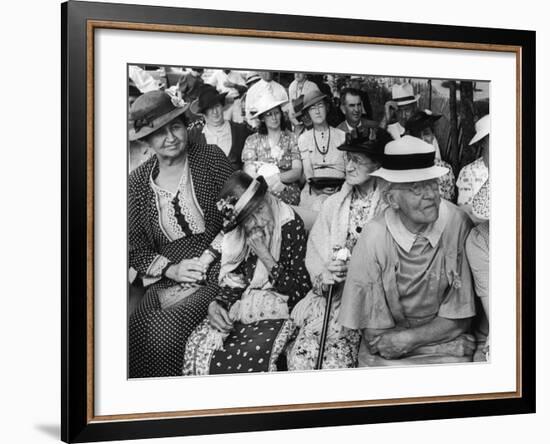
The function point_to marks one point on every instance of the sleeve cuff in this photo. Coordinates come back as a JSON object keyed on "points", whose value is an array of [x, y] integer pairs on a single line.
{"points": [[156, 270]]}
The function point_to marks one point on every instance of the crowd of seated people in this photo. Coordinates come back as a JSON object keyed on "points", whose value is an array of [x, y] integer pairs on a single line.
{"points": [[248, 204]]}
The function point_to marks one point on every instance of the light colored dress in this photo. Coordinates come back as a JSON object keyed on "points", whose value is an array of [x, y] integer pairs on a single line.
{"points": [[320, 158]]}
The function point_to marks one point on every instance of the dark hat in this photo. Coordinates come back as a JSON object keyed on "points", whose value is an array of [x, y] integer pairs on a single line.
{"points": [[312, 97], [421, 120], [319, 183], [298, 105], [237, 206], [368, 140], [151, 111], [208, 97]]}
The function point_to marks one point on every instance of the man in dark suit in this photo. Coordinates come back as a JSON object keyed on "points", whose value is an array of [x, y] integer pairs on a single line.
{"points": [[228, 136]]}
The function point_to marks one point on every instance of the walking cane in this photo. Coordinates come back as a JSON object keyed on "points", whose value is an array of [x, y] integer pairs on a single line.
{"points": [[324, 331]]}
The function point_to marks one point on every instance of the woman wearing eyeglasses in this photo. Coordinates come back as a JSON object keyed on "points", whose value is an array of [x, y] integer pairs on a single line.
{"points": [[323, 163], [342, 219], [273, 152]]}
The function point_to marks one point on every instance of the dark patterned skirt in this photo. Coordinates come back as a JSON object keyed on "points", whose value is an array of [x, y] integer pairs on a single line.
{"points": [[157, 336], [248, 348]]}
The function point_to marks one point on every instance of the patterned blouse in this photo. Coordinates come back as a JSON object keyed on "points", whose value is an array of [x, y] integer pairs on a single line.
{"points": [[257, 149], [288, 277], [362, 210], [470, 179], [446, 182]]}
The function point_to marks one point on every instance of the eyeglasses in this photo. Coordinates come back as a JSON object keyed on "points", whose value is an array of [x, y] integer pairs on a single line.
{"points": [[419, 188], [318, 105], [357, 159], [273, 113]]}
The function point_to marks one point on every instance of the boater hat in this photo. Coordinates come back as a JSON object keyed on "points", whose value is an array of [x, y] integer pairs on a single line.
{"points": [[151, 111], [483, 128], [403, 94], [208, 97], [409, 159]]}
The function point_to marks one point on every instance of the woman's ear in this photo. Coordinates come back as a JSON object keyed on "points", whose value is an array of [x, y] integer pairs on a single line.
{"points": [[392, 198]]}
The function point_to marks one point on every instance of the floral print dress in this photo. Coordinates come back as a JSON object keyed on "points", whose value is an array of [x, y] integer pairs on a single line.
{"points": [[257, 150]]}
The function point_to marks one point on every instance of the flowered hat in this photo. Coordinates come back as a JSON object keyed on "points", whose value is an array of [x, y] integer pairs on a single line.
{"points": [[481, 204], [409, 159], [153, 110], [237, 207]]}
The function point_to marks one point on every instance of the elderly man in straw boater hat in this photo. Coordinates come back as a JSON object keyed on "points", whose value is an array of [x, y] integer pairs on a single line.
{"points": [[399, 109], [227, 135], [409, 286]]}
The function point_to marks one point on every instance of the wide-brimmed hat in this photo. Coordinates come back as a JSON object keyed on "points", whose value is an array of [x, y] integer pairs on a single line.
{"points": [[483, 128], [265, 103], [237, 207], [421, 120], [311, 98], [481, 203], [404, 94], [152, 110], [370, 140], [208, 97], [409, 159]]}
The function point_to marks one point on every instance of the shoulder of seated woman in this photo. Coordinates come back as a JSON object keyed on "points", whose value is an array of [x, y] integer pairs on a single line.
{"points": [[142, 171]]}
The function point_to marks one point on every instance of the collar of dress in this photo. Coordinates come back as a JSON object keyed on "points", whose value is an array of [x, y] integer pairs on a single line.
{"points": [[405, 239]]}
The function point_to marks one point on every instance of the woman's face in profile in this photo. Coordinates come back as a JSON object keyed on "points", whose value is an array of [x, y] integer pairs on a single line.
{"points": [[170, 140], [261, 220]]}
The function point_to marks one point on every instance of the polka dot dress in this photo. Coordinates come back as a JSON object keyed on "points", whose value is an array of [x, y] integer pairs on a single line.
{"points": [[157, 336]]}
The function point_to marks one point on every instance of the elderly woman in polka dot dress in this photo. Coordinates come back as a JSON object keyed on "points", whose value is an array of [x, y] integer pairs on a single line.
{"points": [[262, 276], [173, 227]]}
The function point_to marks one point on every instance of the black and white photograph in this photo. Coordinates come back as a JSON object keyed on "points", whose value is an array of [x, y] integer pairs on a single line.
{"points": [[299, 221]]}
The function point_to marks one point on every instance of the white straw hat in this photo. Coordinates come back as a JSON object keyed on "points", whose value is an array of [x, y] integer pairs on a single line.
{"points": [[409, 159], [483, 128], [404, 94], [264, 104]]}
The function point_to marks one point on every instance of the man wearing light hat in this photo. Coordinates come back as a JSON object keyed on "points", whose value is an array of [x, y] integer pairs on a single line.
{"points": [[472, 177], [409, 287], [399, 109]]}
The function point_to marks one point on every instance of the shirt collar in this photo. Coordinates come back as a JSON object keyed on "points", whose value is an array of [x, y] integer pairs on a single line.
{"points": [[351, 128], [405, 239], [215, 131]]}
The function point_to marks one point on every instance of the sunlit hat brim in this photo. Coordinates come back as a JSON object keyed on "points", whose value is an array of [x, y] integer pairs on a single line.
{"points": [[415, 175]]}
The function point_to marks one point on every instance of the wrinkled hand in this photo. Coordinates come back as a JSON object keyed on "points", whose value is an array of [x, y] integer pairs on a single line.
{"points": [[219, 317], [187, 271], [257, 241], [391, 345], [464, 345], [335, 273]]}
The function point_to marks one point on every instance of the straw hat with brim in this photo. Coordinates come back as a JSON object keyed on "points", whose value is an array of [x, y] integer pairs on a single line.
{"points": [[266, 103], [421, 120], [311, 98], [403, 94], [409, 159], [481, 204], [483, 128], [370, 142], [208, 97], [320, 183], [151, 111]]}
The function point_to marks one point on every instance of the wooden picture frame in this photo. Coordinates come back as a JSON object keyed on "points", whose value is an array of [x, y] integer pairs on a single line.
{"points": [[80, 20]]}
